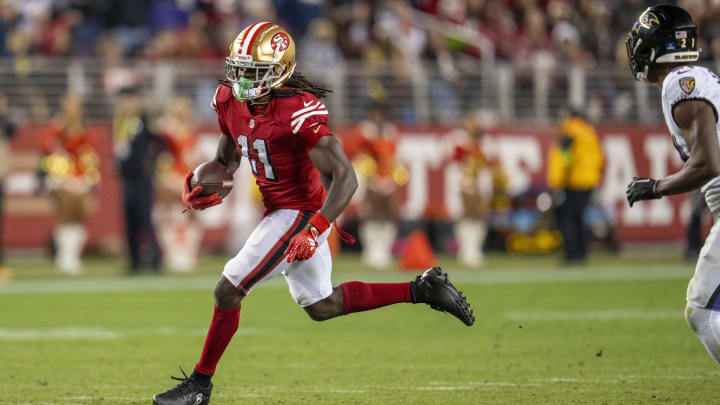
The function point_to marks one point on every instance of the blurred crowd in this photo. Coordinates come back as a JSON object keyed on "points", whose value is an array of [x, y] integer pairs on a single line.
{"points": [[407, 30], [427, 56]]}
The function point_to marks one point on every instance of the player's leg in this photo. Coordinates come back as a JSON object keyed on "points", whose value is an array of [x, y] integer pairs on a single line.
{"points": [[573, 229], [197, 388], [562, 218], [703, 295], [432, 288], [582, 232], [706, 325], [260, 259], [147, 229], [132, 230], [310, 286]]}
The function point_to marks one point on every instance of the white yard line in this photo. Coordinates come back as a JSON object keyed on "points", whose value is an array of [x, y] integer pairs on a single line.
{"points": [[271, 390], [595, 315], [98, 333]]}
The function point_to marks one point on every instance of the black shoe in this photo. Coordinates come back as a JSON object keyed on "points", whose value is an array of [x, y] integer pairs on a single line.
{"points": [[188, 392], [441, 295]]}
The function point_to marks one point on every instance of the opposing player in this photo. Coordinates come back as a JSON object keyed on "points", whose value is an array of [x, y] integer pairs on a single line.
{"points": [[271, 115], [662, 49]]}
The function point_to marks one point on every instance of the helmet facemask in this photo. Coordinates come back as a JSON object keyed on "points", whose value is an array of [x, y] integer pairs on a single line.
{"points": [[251, 80], [639, 57]]}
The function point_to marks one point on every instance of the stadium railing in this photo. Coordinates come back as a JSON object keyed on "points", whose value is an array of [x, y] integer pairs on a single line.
{"points": [[531, 93]]}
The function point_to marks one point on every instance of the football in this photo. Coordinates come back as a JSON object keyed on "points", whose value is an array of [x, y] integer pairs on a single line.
{"points": [[213, 177]]}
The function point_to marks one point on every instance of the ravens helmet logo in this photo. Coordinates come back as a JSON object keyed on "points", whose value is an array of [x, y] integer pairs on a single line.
{"points": [[646, 20]]}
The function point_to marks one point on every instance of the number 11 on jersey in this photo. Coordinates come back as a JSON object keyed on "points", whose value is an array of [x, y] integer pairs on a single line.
{"points": [[260, 148]]}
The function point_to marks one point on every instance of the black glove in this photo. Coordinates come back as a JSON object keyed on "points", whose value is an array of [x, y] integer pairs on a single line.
{"points": [[641, 188]]}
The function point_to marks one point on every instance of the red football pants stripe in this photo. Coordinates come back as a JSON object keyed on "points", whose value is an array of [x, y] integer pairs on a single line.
{"points": [[247, 283]]}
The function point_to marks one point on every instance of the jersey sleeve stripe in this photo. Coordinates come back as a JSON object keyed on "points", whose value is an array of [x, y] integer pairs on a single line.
{"points": [[252, 33], [304, 110], [309, 114], [297, 123], [213, 103]]}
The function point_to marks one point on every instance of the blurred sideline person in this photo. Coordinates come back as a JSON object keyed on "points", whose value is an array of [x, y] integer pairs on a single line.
{"points": [[476, 191], [136, 149], [271, 115], [575, 163], [7, 132], [377, 164], [662, 50], [179, 234], [70, 165]]}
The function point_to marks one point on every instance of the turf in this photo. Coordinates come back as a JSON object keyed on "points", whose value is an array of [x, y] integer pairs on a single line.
{"points": [[609, 333]]}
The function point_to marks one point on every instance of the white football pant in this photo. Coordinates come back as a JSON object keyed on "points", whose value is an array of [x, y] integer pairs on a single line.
{"points": [[702, 293], [706, 324], [262, 258]]}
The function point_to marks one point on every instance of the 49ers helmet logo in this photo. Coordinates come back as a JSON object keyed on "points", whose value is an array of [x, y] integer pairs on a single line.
{"points": [[280, 42]]}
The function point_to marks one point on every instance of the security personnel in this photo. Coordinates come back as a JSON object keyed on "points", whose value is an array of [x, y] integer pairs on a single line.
{"points": [[136, 149], [574, 169]]}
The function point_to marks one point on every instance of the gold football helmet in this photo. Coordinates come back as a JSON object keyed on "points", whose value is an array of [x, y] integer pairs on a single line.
{"points": [[261, 58]]}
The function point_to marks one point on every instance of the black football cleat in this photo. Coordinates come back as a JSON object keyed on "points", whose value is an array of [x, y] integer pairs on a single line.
{"points": [[188, 392], [441, 295]]}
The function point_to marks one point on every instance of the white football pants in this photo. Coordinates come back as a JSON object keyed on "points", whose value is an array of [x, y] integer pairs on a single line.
{"points": [[701, 293], [706, 324]]}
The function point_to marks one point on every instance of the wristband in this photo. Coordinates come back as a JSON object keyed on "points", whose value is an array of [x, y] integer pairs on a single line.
{"points": [[319, 222], [654, 189]]}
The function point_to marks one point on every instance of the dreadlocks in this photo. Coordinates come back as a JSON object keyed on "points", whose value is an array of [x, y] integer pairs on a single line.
{"points": [[297, 83]]}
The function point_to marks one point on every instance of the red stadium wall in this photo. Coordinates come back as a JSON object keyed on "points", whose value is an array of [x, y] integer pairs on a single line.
{"points": [[630, 150]]}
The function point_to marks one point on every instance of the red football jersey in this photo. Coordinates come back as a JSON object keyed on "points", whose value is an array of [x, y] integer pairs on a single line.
{"points": [[277, 143]]}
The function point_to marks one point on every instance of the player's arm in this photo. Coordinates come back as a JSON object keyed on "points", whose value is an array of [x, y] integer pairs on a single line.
{"points": [[338, 174], [696, 120], [227, 154], [340, 182]]}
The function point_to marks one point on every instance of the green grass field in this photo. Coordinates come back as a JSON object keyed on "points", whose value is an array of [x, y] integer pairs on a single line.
{"points": [[610, 333]]}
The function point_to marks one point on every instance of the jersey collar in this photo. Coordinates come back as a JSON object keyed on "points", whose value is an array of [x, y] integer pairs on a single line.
{"points": [[245, 110]]}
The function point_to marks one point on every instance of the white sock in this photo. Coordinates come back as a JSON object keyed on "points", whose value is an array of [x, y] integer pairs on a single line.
{"points": [[471, 237], [69, 241], [377, 238]]}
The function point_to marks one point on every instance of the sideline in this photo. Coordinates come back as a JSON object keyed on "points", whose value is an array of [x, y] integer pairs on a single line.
{"points": [[205, 282]]}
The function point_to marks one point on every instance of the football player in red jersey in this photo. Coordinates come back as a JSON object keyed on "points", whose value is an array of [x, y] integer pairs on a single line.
{"points": [[272, 116]]}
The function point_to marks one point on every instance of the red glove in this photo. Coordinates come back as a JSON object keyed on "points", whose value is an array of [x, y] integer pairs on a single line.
{"points": [[193, 202], [302, 245]]}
